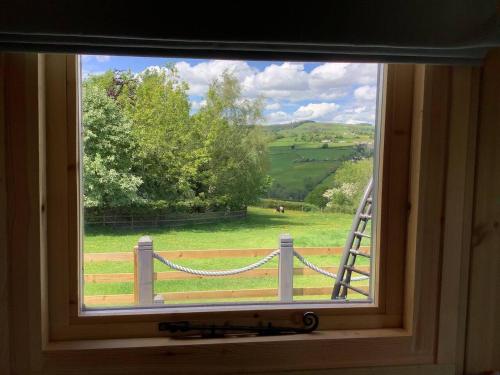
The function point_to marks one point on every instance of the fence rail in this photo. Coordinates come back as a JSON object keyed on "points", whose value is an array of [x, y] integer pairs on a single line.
{"points": [[161, 221], [217, 253], [177, 275], [127, 299], [144, 275]]}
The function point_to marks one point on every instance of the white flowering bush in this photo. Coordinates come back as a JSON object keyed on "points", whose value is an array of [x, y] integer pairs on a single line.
{"points": [[350, 181]]}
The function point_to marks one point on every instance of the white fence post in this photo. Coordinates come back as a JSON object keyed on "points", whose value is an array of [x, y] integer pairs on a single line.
{"points": [[286, 268], [158, 299], [143, 272]]}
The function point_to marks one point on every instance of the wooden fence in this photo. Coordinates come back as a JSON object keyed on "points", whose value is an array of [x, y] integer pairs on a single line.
{"points": [[162, 221], [206, 295]]}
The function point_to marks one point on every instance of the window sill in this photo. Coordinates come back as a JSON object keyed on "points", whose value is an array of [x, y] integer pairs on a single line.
{"points": [[163, 342], [319, 350]]}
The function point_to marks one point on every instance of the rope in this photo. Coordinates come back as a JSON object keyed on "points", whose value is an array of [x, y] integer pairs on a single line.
{"points": [[322, 271], [216, 273]]}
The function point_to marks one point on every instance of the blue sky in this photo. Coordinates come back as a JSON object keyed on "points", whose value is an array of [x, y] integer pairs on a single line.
{"points": [[330, 92]]}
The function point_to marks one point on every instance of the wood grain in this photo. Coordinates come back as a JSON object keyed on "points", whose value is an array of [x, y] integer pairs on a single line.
{"points": [[25, 204], [325, 350], [458, 213], [4, 270], [483, 331]]}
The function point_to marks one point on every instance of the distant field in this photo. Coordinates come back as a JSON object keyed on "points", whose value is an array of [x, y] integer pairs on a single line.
{"points": [[298, 161], [294, 176]]}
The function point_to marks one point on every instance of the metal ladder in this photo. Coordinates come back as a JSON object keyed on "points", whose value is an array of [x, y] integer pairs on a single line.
{"points": [[352, 248]]}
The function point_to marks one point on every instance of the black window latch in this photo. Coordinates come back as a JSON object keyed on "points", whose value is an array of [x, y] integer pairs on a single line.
{"points": [[310, 322]]}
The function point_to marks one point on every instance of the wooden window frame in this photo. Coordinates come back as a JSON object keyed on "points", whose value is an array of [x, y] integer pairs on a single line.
{"points": [[403, 325]]}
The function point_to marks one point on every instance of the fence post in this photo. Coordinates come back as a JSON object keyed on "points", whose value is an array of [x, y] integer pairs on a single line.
{"points": [[159, 299], [286, 268], [143, 272]]}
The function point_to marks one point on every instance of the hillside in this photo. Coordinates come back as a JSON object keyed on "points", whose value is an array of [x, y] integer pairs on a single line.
{"points": [[305, 155]]}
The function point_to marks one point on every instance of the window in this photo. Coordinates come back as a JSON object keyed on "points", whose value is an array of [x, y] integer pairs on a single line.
{"points": [[66, 264], [420, 106], [227, 181]]}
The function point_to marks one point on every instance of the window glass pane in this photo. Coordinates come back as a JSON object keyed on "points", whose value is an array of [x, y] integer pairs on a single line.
{"points": [[216, 181]]}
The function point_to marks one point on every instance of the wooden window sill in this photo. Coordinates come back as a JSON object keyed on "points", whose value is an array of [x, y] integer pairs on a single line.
{"points": [[162, 342]]}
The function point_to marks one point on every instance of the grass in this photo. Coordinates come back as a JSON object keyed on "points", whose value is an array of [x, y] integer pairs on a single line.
{"points": [[210, 264], [260, 229], [212, 283], [294, 179]]}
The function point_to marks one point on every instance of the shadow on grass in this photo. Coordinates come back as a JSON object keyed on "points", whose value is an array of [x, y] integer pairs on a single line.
{"points": [[252, 221]]}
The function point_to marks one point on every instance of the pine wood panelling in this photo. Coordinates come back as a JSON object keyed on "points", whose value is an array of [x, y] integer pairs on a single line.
{"points": [[4, 270], [435, 331], [483, 323], [458, 213], [24, 124]]}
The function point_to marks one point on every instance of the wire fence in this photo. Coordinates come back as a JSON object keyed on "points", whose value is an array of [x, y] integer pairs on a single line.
{"points": [[162, 221]]}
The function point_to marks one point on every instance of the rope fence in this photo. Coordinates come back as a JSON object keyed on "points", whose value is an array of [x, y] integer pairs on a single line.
{"points": [[144, 270], [216, 273], [322, 271]]}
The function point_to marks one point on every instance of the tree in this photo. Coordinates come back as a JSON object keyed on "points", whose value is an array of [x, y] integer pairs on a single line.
{"points": [[235, 166], [143, 145], [161, 129], [108, 151], [350, 181]]}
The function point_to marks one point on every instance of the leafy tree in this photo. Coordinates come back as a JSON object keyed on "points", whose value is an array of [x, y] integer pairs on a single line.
{"points": [[234, 168], [161, 129], [143, 145], [108, 159], [350, 182]]}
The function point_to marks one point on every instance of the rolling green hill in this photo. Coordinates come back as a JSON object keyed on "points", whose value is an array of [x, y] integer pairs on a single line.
{"points": [[305, 155]]}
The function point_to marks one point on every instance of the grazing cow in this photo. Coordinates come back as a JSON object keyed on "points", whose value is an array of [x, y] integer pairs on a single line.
{"points": [[280, 209]]}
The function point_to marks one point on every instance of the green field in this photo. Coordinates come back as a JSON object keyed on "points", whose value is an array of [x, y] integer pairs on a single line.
{"points": [[261, 229], [299, 163]]}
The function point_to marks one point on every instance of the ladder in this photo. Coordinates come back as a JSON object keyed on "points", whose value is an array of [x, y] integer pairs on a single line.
{"points": [[352, 248]]}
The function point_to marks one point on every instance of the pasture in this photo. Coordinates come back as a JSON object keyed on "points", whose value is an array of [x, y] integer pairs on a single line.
{"points": [[261, 229], [299, 161]]}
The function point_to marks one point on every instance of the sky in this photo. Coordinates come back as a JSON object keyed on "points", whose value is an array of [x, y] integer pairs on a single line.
{"points": [[324, 92]]}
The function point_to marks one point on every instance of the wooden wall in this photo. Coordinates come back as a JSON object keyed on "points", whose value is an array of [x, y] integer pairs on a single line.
{"points": [[483, 322], [476, 335]]}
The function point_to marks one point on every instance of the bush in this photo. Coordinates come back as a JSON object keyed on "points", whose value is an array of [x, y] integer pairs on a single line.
{"points": [[157, 208], [350, 181], [289, 205]]}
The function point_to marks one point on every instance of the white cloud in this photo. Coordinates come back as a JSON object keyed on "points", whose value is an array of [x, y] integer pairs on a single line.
{"points": [[273, 106], [316, 111], [286, 81], [102, 58], [278, 79], [356, 114], [366, 93], [278, 117], [284, 84], [197, 104], [290, 81], [98, 58], [199, 76]]}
